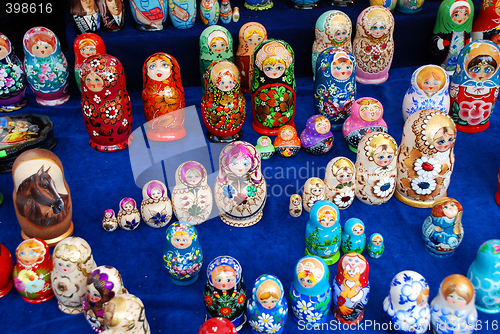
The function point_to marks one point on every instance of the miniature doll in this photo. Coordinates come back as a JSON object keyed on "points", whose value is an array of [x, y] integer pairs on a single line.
{"points": [[295, 207], [236, 14], [317, 138], [12, 92], [259, 5], [216, 43], [149, 15], [128, 216], [182, 13], [226, 12], [251, 34], [376, 246], [112, 14], [223, 326], [7, 265], [156, 208], [109, 222], [409, 6], [85, 16], [353, 236], [265, 147], [339, 182], [287, 144], [487, 22], [314, 191], [125, 313], [209, 12], [303, 4], [86, 45]]}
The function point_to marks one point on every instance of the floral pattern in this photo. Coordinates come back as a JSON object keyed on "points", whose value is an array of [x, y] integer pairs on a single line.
{"points": [[48, 74], [311, 309], [12, 78], [183, 266]]}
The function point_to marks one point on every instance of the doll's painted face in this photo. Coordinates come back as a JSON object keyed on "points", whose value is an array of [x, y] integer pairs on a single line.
{"points": [[269, 302], [342, 71], [383, 155], [274, 68], [92, 294], [107, 215], [322, 125], [94, 82], [88, 50], [159, 70], [423, 297], [431, 84], [378, 29], [218, 45], [357, 229], [317, 189], [286, 134], [226, 83], [370, 112], [344, 175], [193, 176], [240, 166], [42, 49], [481, 72], [455, 299], [377, 241], [64, 267], [264, 142], [341, 34], [444, 139], [225, 280], [3, 51], [353, 265], [254, 40], [88, 6], [327, 219], [296, 202], [181, 240], [450, 209], [460, 15], [28, 256], [128, 206], [307, 281], [114, 7], [156, 193]]}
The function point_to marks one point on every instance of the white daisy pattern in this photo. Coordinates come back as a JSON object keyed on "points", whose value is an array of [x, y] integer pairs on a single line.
{"points": [[427, 167], [423, 185], [343, 200], [265, 319], [273, 328], [384, 187], [256, 326], [305, 307], [313, 317]]}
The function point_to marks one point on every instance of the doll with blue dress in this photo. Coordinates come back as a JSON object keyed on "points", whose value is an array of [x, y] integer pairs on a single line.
{"points": [[353, 236]]}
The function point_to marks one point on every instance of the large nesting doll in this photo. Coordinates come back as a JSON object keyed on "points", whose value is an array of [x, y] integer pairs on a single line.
{"points": [[163, 97], [182, 13], [314, 191], [149, 15], [85, 16], [86, 45], [287, 144], [112, 14], [240, 188], [426, 158], [156, 208], [487, 22], [273, 87], [251, 34], [317, 138], [46, 67], [474, 86], [126, 313], [339, 182], [373, 45], [13, 78], [128, 217], [376, 168], [216, 43], [106, 106]]}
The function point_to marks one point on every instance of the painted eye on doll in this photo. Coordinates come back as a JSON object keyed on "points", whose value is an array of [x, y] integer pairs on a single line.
{"points": [[33, 254], [164, 64], [268, 68], [152, 66], [280, 68]]}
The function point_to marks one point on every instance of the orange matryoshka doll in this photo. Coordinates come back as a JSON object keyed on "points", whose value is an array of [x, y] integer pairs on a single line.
{"points": [[251, 34]]}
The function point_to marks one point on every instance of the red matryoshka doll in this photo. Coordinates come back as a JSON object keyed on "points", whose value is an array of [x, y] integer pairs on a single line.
{"points": [[86, 45], [7, 265], [287, 144], [488, 22], [13, 78], [32, 271], [112, 14], [85, 16], [106, 107], [221, 325], [163, 98], [251, 34]]}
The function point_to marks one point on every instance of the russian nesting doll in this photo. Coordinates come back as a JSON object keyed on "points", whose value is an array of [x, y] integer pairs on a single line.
{"points": [[376, 246], [209, 12], [112, 14], [353, 236], [182, 13], [86, 45], [303, 4], [236, 14], [373, 45], [487, 22], [497, 194], [73, 261], [192, 197], [109, 222], [340, 182], [223, 326], [273, 87], [265, 147], [226, 12], [106, 106], [251, 34], [259, 5], [163, 97], [46, 67], [409, 6], [426, 158], [376, 168], [287, 143], [125, 313], [149, 15], [314, 191], [474, 86], [216, 43], [85, 16], [317, 138], [128, 216], [295, 207], [323, 232], [156, 208], [12, 92], [7, 265], [240, 188], [429, 88], [32, 271]]}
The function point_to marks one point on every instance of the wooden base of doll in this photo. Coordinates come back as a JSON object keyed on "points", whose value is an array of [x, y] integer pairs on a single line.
{"points": [[6, 289], [374, 81], [166, 135], [287, 151], [10, 107], [224, 140], [142, 27], [341, 3], [53, 99], [267, 131], [242, 223], [37, 301], [332, 259], [109, 148], [184, 282], [354, 149], [343, 321], [414, 203], [306, 6], [472, 128], [320, 148], [69, 309], [259, 7], [54, 241], [440, 255], [488, 310], [497, 197]]}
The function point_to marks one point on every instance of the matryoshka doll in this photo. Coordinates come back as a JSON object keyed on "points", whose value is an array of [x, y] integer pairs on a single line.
{"points": [[373, 45], [86, 45], [7, 265], [225, 292], [112, 14], [192, 197], [182, 13], [251, 34], [126, 313], [376, 246], [128, 216], [163, 98], [149, 15], [106, 106], [73, 261], [209, 12], [317, 138], [376, 168], [426, 158], [46, 67], [314, 191], [351, 289], [109, 221], [265, 147], [273, 87], [182, 254], [340, 182], [353, 236], [12, 92], [310, 291], [410, 6], [216, 43], [303, 4], [156, 208], [295, 207], [323, 232], [32, 271], [240, 188], [267, 302], [487, 22], [287, 144], [226, 12], [474, 86], [85, 16], [259, 5], [497, 194], [222, 326]]}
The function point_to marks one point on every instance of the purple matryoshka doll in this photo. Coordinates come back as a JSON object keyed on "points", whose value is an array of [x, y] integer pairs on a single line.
{"points": [[251, 34], [128, 216], [13, 78], [156, 208], [86, 45], [112, 14], [149, 15], [487, 23], [85, 16], [317, 138], [182, 13]]}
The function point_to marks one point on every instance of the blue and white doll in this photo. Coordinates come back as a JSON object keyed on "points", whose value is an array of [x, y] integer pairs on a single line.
{"points": [[149, 15], [376, 246], [209, 12], [182, 13], [353, 236]]}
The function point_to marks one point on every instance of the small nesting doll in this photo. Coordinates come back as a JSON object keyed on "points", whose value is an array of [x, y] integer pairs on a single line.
{"points": [[73, 261], [225, 292], [226, 12], [373, 45], [112, 14], [216, 43], [317, 138], [128, 216], [323, 232], [109, 222], [13, 77], [209, 12], [236, 14], [46, 67], [86, 45], [314, 191], [192, 197], [295, 207], [474, 86], [426, 158], [149, 15], [303, 4], [376, 168], [85, 16], [32, 271], [156, 208], [125, 313], [376, 246], [410, 6], [259, 5], [7, 265], [182, 13], [222, 325], [287, 143], [182, 254], [265, 147], [163, 97], [251, 34], [273, 87], [487, 22], [340, 182], [310, 291], [353, 236]]}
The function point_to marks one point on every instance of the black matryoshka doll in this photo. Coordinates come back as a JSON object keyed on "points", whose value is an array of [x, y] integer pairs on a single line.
{"points": [[112, 14], [12, 77], [287, 144], [85, 16]]}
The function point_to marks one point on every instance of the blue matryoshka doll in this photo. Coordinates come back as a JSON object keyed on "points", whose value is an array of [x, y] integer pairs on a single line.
{"points": [[376, 246], [182, 13], [209, 12], [317, 138], [148, 15], [13, 77], [353, 236]]}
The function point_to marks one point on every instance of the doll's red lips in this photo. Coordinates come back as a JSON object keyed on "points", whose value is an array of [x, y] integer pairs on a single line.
{"points": [[182, 244], [158, 75]]}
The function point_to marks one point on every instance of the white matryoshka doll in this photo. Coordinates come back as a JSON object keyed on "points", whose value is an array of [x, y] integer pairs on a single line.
{"points": [[12, 92], [251, 34], [376, 168], [109, 221], [216, 43], [73, 261], [192, 196], [128, 217], [314, 191], [156, 208], [125, 314], [295, 207], [373, 45], [339, 182], [240, 188], [426, 158]]}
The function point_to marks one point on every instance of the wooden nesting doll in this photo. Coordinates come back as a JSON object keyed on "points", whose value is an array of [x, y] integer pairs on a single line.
{"points": [[223, 106], [112, 14], [474, 86], [409, 6], [128, 216], [317, 138], [225, 292], [487, 22], [353, 236], [7, 265], [273, 87], [85, 16], [376, 168], [46, 67], [265, 147], [259, 5], [240, 188], [125, 314], [295, 207], [287, 144], [182, 13], [149, 15], [109, 222], [303, 4], [209, 12], [192, 197], [216, 43], [13, 76], [86, 45], [106, 106], [497, 194], [236, 14], [426, 158], [340, 182], [73, 261], [314, 191], [156, 208], [163, 97], [375, 246], [251, 34], [226, 12], [223, 326]]}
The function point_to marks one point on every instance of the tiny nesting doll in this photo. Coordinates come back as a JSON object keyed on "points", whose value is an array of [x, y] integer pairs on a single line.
{"points": [[128, 216], [226, 12], [474, 86], [310, 291], [163, 97], [376, 246], [46, 67], [323, 232], [216, 43], [73, 261], [32, 271], [13, 76], [429, 88], [303, 4], [209, 12], [351, 289], [267, 306], [295, 207], [222, 325], [156, 208], [236, 14], [373, 45], [112, 14], [353, 236], [410, 6], [287, 144], [225, 292], [192, 197], [339, 182], [86, 45], [265, 147], [426, 158], [317, 138], [7, 265], [182, 254], [376, 168], [240, 188], [273, 87], [149, 15], [259, 5], [251, 34], [314, 191], [182, 13], [109, 222], [126, 313], [85, 16], [487, 22]]}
